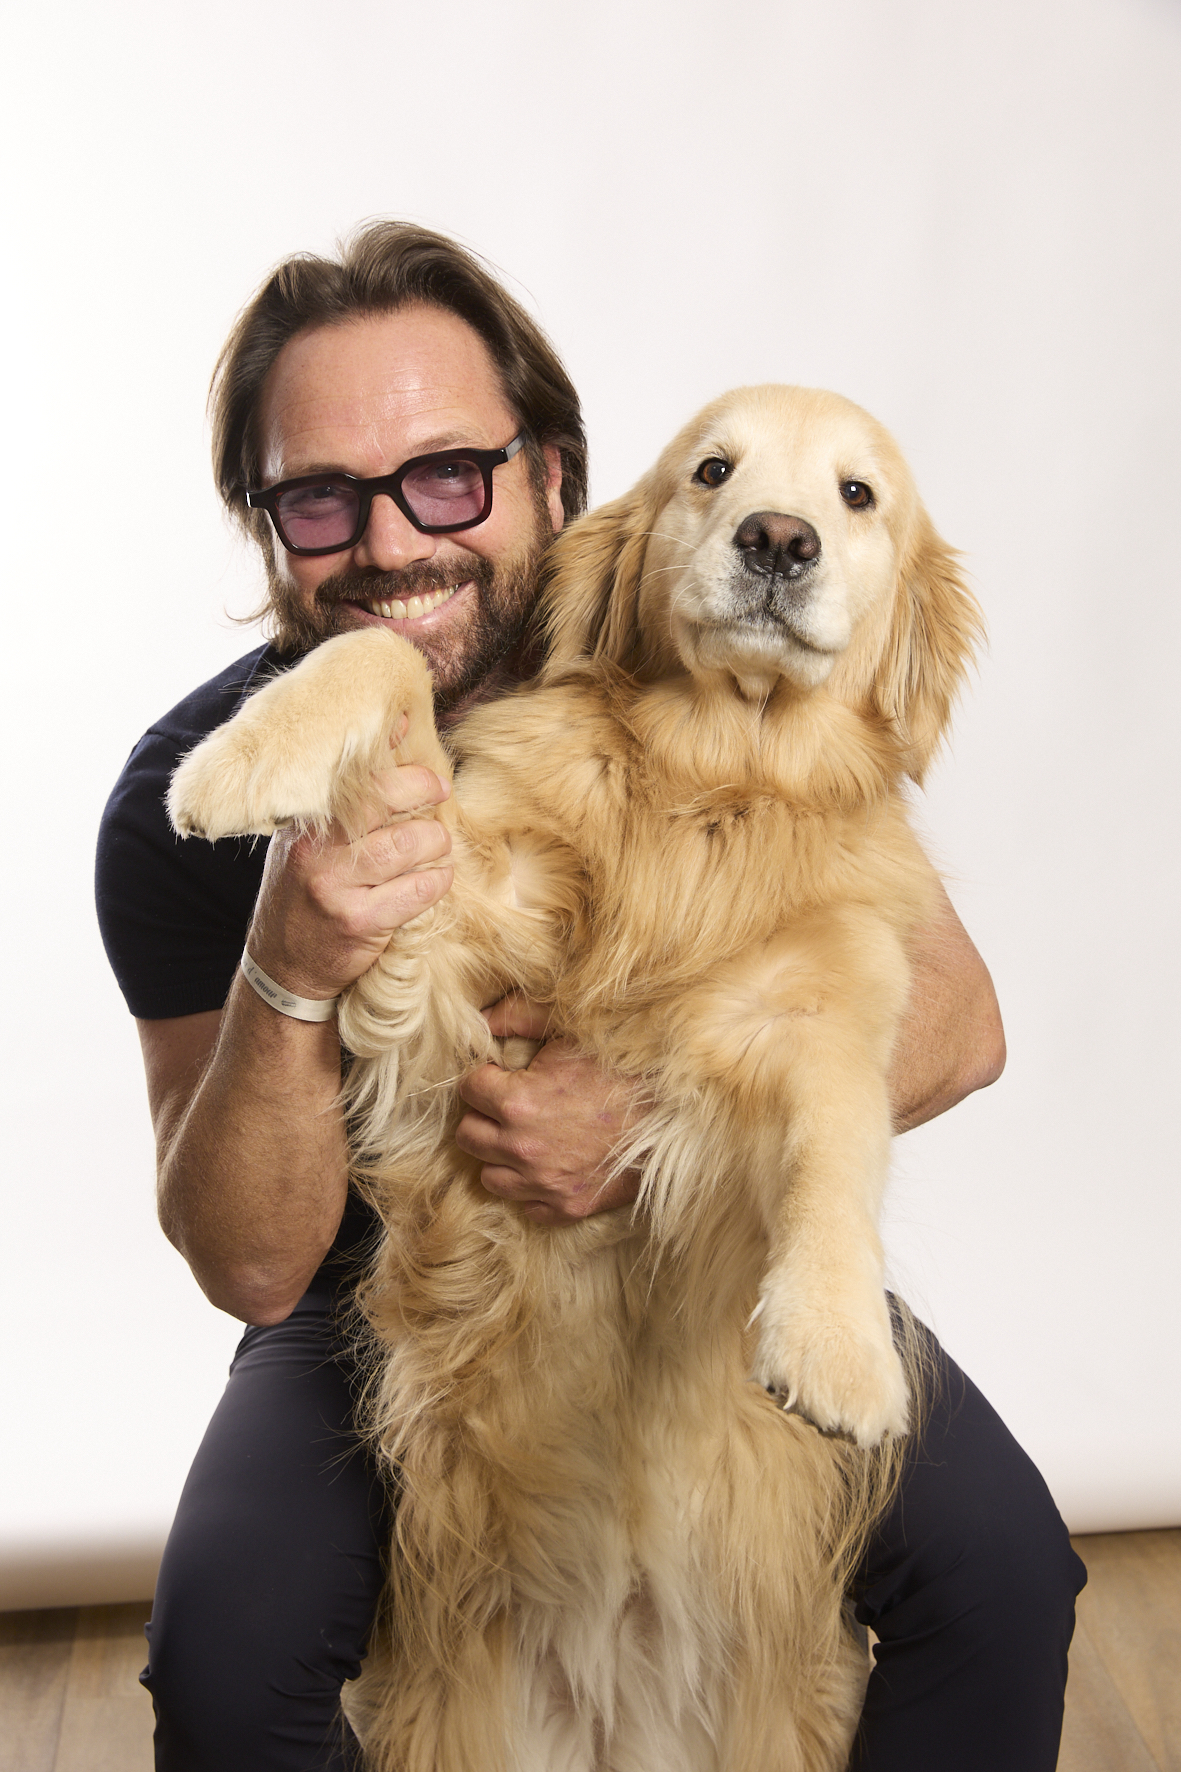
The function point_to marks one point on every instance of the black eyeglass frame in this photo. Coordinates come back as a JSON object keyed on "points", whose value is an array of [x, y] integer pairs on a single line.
{"points": [[267, 498]]}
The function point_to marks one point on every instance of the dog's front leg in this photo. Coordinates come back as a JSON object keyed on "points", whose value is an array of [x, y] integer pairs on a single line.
{"points": [[824, 1338], [824, 1343], [304, 749], [795, 1038]]}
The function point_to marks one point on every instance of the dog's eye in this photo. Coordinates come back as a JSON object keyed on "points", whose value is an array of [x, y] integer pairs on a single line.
{"points": [[857, 494], [713, 471]]}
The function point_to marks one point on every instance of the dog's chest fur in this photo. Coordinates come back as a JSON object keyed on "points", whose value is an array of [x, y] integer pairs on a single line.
{"points": [[682, 831]]}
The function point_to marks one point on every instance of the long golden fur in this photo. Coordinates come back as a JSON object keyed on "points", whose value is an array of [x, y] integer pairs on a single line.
{"points": [[615, 1553]]}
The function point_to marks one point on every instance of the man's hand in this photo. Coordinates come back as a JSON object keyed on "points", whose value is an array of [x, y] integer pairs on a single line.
{"points": [[546, 1135], [327, 907]]}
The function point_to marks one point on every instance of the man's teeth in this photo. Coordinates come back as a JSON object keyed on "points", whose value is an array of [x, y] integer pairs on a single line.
{"points": [[396, 610]]}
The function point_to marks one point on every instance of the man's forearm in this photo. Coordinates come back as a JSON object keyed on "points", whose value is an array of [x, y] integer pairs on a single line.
{"points": [[251, 1150], [253, 1170]]}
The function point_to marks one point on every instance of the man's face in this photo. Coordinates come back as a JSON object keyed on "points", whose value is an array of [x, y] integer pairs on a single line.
{"points": [[361, 398]]}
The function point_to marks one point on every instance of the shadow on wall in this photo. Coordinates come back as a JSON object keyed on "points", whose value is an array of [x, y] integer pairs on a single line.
{"points": [[82, 1574]]}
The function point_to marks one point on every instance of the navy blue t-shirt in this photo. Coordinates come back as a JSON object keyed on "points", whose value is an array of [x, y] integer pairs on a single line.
{"points": [[174, 914]]}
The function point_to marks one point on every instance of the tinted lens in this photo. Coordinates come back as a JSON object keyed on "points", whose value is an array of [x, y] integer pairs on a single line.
{"points": [[320, 516], [447, 490]]}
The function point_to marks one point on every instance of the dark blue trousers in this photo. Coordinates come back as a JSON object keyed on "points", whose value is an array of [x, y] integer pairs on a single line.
{"points": [[274, 1564]]}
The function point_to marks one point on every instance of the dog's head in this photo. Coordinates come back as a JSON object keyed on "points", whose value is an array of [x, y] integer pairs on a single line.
{"points": [[779, 538]]}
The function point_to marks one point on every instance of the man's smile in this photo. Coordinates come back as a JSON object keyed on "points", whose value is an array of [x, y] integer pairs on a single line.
{"points": [[412, 608]]}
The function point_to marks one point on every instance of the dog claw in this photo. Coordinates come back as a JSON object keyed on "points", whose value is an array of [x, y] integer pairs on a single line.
{"points": [[843, 1376]]}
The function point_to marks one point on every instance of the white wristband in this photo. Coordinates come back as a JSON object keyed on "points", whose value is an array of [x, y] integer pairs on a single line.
{"points": [[286, 1002]]}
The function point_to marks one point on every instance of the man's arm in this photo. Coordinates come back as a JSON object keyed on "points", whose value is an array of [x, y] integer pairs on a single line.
{"points": [[251, 1164], [951, 1041], [546, 1135], [251, 1154]]}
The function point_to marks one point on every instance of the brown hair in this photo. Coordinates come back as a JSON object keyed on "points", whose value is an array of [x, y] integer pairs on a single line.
{"points": [[385, 266]]}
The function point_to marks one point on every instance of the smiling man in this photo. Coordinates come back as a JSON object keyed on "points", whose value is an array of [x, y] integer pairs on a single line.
{"points": [[402, 442]]}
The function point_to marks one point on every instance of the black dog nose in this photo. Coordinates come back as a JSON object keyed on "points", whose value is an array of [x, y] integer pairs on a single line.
{"points": [[777, 545]]}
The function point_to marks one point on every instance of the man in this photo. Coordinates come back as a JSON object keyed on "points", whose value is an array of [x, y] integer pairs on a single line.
{"points": [[339, 374]]}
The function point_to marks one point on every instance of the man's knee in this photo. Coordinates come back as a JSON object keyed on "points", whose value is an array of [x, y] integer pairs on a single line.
{"points": [[974, 1532], [970, 1587], [1022, 1557], [1003, 1580]]}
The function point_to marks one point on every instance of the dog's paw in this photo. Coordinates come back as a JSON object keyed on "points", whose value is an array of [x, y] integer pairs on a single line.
{"points": [[304, 748], [239, 783], [837, 1367]]}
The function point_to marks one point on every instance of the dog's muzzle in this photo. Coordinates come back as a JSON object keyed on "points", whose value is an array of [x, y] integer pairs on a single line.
{"points": [[778, 555]]}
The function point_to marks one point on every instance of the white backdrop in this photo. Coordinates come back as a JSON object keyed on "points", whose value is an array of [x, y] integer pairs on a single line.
{"points": [[964, 218]]}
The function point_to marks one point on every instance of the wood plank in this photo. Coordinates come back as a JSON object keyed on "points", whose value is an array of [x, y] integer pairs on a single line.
{"points": [[106, 1723], [1099, 1733], [1132, 1610], [35, 1652]]}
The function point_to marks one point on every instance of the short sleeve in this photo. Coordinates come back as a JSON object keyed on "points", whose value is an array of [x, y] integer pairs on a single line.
{"points": [[174, 914]]}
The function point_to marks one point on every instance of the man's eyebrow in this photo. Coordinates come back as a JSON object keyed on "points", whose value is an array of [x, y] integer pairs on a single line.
{"points": [[446, 440], [326, 468], [436, 445]]}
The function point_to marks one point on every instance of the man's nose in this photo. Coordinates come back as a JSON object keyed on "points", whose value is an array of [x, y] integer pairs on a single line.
{"points": [[390, 540]]}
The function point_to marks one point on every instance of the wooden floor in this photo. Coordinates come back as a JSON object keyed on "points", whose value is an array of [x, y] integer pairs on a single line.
{"points": [[1123, 1699], [69, 1701], [69, 1698]]}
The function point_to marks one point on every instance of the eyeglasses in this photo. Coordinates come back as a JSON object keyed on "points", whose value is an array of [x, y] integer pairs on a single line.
{"points": [[440, 494]]}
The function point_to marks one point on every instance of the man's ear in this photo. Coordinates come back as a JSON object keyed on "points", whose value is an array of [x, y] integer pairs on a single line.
{"points": [[553, 484]]}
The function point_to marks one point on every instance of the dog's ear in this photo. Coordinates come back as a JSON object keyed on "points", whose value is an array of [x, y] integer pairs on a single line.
{"points": [[936, 628], [589, 605]]}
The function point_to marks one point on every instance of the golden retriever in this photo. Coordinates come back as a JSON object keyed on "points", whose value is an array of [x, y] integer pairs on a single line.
{"points": [[615, 1552]]}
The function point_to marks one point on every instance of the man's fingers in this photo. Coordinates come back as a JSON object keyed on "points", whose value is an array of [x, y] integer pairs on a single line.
{"points": [[395, 849], [489, 1090], [398, 900], [480, 1137], [507, 1184], [512, 1153], [335, 864], [396, 794], [519, 1015], [484, 1138], [409, 788]]}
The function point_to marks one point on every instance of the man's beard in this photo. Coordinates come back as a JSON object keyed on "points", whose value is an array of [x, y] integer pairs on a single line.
{"points": [[461, 655]]}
